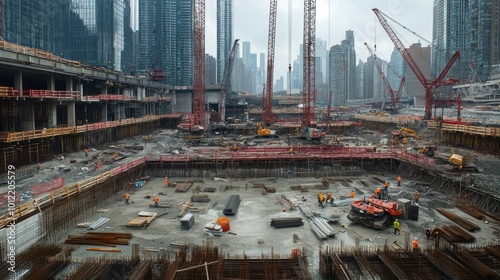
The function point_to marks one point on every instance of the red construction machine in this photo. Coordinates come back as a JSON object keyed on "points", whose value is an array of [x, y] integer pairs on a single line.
{"points": [[375, 213]]}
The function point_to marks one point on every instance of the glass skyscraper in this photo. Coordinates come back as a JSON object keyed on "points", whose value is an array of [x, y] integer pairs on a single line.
{"points": [[468, 26], [224, 34], [29, 23], [96, 32], [166, 39]]}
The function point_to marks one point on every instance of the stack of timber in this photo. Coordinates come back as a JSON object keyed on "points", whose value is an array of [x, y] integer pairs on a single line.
{"points": [[184, 187], [200, 198], [287, 222], [232, 205], [143, 221], [185, 206], [301, 188], [109, 239]]}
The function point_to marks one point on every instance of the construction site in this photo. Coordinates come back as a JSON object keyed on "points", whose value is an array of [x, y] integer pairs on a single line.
{"points": [[122, 185]]}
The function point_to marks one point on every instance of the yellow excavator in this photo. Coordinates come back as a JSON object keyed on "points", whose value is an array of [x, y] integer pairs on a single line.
{"points": [[263, 132]]}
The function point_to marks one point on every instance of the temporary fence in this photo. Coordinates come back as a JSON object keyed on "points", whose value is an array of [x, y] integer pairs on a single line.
{"points": [[48, 186]]}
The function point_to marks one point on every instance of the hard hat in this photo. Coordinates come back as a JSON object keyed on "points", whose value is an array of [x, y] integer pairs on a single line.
{"points": [[397, 220], [416, 238]]}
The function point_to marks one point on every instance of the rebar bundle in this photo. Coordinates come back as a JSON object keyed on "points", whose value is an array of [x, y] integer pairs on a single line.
{"points": [[200, 198], [466, 224], [232, 205], [286, 222], [455, 234]]}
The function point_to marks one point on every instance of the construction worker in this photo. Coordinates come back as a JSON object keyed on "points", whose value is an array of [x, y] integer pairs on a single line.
{"points": [[415, 245], [235, 148], [352, 194], [428, 233], [156, 200], [386, 184], [397, 227], [38, 167], [417, 196], [291, 151], [86, 152], [377, 192], [328, 197], [321, 199], [127, 196], [166, 182], [399, 180]]}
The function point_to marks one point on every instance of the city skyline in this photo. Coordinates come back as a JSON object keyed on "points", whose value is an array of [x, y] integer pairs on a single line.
{"points": [[365, 26]]}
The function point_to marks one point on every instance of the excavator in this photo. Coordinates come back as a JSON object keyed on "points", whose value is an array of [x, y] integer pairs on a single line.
{"points": [[374, 212]]}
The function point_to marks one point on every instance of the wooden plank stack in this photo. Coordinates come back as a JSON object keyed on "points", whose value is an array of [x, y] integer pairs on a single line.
{"points": [[109, 239]]}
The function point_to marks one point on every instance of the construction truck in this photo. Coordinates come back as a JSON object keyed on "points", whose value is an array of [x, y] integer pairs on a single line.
{"points": [[265, 132], [375, 213]]}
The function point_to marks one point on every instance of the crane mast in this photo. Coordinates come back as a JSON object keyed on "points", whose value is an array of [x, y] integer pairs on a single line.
{"points": [[267, 98], [199, 63], [309, 79], [394, 97], [429, 86], [226, 81]]}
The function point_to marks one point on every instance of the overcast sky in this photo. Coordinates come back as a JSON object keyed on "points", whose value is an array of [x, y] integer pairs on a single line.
{"points": [[333, 18]]}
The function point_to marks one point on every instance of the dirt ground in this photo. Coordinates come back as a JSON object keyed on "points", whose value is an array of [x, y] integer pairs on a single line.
{"points": [[252, 233]]}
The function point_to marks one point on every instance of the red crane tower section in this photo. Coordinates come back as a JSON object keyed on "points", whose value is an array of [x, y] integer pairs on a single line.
{"points": [[226, 81], [394, 97], [309, 79], [199, 63], [267, 97], [430, 86]]}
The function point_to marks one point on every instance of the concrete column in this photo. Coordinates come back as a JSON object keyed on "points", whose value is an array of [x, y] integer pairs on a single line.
{"points": [[71, 114], [18, 81], [53, 115], [104, 113], [51, 82], [79, 87]]}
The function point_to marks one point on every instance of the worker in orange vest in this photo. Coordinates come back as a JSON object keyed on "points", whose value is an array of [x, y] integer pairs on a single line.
{"points": [[386, 184], [377, 192], [38, 167], [166, 181], [86, 152], [156, 200], [417, 196], [352, 194], [127, 196], [399, 180], [415, 245]]}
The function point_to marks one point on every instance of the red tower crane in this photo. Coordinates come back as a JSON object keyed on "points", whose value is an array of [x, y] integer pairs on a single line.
{"points": [[226, 81], [199, 63], [267, 97], [394, 97], [309, 80], [430, 86]]}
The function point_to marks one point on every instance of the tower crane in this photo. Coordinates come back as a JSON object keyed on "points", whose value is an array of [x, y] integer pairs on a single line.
{"points": [[226, 81], [309, 80], [394, 97], [199, 63], [430, 86], [267, 96]]}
